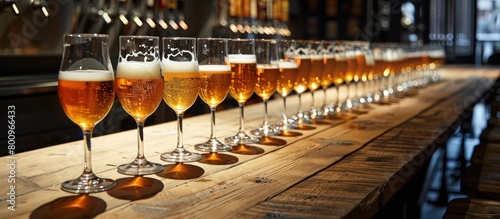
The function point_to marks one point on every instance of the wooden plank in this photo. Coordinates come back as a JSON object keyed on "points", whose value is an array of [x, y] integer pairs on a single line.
{"points": [[472, 208]]}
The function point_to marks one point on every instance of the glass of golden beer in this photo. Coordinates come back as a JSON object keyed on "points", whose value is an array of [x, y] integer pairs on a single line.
{"points": [[327, 76], [266, 53], [301, 55], [215, 81], [339, 72], [86, 91], [315, 76], [182, 84], [241, 56], [139, 87], [286, 81]]}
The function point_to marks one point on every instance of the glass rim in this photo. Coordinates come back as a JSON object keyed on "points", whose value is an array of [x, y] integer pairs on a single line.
{"points": [[86, 35], [179, 38], [139, 37]]}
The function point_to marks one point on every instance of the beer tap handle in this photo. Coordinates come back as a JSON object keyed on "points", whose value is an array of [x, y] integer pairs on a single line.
{"points": [[182, 23], [41, 5], [4, 4], [162, 4]]}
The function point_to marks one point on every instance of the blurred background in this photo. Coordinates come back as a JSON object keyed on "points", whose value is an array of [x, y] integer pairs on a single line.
{"points": [[31, 34]]}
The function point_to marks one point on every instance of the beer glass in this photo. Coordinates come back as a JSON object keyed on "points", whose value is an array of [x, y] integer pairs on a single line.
{"points": [[315, 75], [339, 72], [301, 55], [286, 81], [327, 76], [241, 55], [182, 84], [86, 91], [215, 81], [266, 53], [139, 87], [350, 53]]}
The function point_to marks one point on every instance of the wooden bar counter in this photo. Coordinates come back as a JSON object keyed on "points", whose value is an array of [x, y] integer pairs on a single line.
{"points": [[346, 167]]}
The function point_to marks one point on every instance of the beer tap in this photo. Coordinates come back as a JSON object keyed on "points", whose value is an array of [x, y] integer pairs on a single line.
{"points": [[40, 5], [161, 14], [182, 23], [150, 13], [172, 8], [4, 4], [122, 11]]}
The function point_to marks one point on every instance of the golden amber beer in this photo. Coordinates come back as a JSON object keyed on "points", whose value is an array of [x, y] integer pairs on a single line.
{"points": [[139, 87], [215, 82], [243, 76], [267, 80], [360, 67], [328, 70], [316, 73], [182, 83], [301, 81], [286, 79], [86, 96], [340, 69]]}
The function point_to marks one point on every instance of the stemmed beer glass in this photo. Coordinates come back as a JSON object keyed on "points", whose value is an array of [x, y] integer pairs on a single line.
{"points": [[215, 81], [86, 91], [182, 84], [266, 52], [139, 87], [241, 55], [300, 51], [286, 81]]}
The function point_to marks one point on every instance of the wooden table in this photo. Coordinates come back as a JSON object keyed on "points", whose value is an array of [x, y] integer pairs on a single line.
{"points": [[343, 168]]}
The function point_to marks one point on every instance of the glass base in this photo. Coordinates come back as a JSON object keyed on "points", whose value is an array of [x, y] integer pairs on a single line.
{"points": [[286, 124], [266, 131], [303, 118], [88, 183], [140, 167], [213, 145], [241, 138], [178, 156]]}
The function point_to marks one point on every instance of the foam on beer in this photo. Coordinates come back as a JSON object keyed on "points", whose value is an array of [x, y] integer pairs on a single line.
{"points": [[138, 70], [86, 75], [329, 56], [215, 68], [179, 67], [242, 58], [267, 66], [316, 56], [288, 65]]}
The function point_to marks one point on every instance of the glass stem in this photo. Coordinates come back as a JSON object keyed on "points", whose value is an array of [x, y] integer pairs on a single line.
{"points": [[348, 92], [312, 99], [283, 114], [337, 97], [324, 98], [87, 136], [265, 114], [242, 117], [140, 140], [180, 137], [300, 103], [212, 130]]}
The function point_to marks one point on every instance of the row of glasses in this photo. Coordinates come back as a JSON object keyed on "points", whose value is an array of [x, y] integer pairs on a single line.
{"points": [[212, 68]]}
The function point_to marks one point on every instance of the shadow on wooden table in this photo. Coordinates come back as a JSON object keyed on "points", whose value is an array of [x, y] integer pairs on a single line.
{"points": [[135, 188], [77, 206], [218, 159], [181, 171]]}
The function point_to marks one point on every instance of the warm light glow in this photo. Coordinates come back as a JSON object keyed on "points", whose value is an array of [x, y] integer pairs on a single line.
{"points": [[163, 24], [240, 28], [46, 13], [183, 25], [138, 21], [233, 28], [16, 10], [123, 19], [151, 23], [106, 17], [248, 29], [173, 24]]}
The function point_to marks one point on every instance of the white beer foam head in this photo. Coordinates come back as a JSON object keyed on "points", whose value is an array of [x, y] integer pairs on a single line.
{"points": [[215, 68], [138, 70], [242, 58], [179, 67], [268, 66], [288, 65], [86, 75], [329, 56], [316, 57]]}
